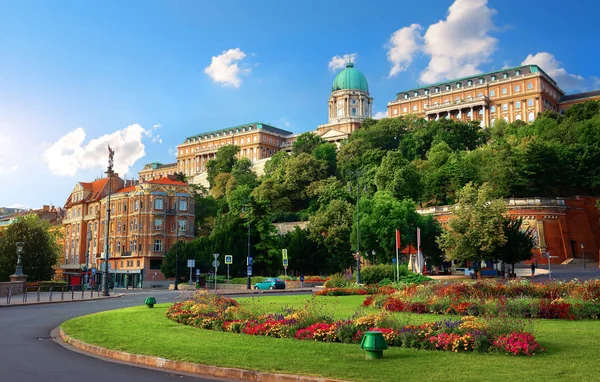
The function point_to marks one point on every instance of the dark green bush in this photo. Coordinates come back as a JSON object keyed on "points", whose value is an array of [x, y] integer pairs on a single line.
{"points": [[337, 280], [373, 274], [244, 280]]}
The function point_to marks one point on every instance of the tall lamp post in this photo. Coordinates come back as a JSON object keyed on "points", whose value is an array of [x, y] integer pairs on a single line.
{"points": [[19, 268], [87, 255], [357, 173], [176, 249], [248, 263], [583, 255], [105, 273]]}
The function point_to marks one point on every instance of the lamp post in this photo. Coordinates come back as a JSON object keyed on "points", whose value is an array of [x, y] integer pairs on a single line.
{"points": [[357, 173], [583, 255], [105, 273], [87, 255], [248, 263], [176, 249], [373, 253], [19, 268]]}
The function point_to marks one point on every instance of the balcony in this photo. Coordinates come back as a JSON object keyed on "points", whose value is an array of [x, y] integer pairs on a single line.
{"points": [[455, 105], [170, 211]]}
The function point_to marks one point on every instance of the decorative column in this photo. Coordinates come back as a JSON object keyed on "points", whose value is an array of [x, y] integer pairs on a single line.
{"points": [[511, 117], [472, 116], [485, 116]]}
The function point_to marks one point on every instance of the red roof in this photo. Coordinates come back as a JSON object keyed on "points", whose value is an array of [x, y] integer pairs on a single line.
{"points": [[167, 181], [97, 187], [409, 250], [126, 189]]}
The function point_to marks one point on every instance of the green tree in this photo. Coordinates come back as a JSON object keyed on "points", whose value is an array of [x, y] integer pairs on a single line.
{"points": [[224, 161], [40, 251], [301, 171], [327, 152], [306, 143], [519, 242], [398, 176], [276, 165], [475, 230]]}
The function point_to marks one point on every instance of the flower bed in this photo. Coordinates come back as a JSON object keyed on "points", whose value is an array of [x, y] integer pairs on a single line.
{"points": [[213, 312], [557, 300]]}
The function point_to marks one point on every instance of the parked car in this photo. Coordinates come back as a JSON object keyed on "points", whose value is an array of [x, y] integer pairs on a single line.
{"points": [[270, 283]]}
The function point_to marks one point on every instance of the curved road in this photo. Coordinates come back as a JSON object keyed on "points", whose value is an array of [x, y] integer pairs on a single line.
{"points": [[27, 354]]}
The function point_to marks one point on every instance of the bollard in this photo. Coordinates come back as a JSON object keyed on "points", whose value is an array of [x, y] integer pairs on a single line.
{"points": [[374, 345], [92, 292], [50, 297], [62, 293], [25, 294], [72, 292], [82, 291], [9, 295], [38, 293]]}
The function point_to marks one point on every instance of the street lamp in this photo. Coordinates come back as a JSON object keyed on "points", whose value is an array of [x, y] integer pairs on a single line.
{"points": [[176, 249], [248, 262], [583, 255], [373, 253], [105, 274], [19, 268], [357, 173], [87, 255]]}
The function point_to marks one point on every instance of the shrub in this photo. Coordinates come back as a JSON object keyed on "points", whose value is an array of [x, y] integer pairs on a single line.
{"points": [[339, 280], [244, 280], [373, 274]]}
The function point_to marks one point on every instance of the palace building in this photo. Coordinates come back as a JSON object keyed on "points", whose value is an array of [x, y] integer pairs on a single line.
{"points": [[146, 220], [511, 94]]}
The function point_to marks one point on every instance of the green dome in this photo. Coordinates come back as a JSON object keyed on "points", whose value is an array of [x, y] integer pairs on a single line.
{"points": [[350, 78]]}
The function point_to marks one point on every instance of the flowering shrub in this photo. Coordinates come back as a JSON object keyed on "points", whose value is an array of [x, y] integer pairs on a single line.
{"points": [[345, 291], [556, 300], [313, 323], [518, 344]]}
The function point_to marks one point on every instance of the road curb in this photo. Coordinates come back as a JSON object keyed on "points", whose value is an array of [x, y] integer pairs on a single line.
{"points": [[59, 301], [187, 367]]}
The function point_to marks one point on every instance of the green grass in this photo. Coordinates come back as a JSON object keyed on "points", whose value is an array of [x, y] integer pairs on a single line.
{"points": [[572, 348]]}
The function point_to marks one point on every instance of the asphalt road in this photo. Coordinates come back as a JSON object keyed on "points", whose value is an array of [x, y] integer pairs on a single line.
{"points": [[27, 354]]}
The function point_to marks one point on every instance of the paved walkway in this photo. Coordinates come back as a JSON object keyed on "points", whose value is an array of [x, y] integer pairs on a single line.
{"points": [[33, 297]]}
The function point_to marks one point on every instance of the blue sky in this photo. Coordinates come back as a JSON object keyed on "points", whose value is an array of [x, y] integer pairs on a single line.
{"points": [[76, 75]]}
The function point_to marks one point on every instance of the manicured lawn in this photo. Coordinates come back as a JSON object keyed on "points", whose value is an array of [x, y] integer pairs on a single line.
{"points": [[572, 347]]}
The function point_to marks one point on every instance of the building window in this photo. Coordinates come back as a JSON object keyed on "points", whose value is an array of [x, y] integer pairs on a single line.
{"points": [[395, 111], [530, 117], [505, 107], [517, 88], [426, 91], [530, 86], [158, 204], [406, 96], [517, 104], [158, 224], [530, 102], [493, 121], [416, 94], [270, 140], [506, 119], [457, 99], [481, 80], [404, 110], [492, 93], [340, 112], [118, 247], [505, 75], [458, 84], [353, 111], [493, 109], [182, 225], [138, 263], [415, 108], [470, 82], [480, 111], [517, 72], [158, 245], [504, 91], [469, 114], [183, 205], [518, 117], [447, 87], [435, 103], [437, 89], [493, 78]]}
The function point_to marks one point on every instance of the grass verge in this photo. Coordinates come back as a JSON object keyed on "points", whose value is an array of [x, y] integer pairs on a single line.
{"points": [[571, 348]]}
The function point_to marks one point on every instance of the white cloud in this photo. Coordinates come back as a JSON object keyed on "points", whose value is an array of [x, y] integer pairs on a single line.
{"points": [[459, 44], [551, 66], [380, 114], [224, 68], [20, 206], [339, 62], [69, 154], [403, 45], [8, 153]]}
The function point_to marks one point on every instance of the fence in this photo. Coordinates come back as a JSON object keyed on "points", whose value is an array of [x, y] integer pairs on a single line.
{"points": [[77, 292]]}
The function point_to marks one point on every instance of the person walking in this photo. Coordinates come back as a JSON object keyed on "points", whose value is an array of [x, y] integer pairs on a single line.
{"points": [[532, 269]]}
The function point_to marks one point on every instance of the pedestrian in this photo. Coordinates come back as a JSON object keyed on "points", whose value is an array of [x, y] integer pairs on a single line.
{"points": [[532, 269]]}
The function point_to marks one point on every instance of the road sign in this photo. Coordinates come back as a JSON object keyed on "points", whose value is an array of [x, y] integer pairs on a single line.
{"points": [[249, 271], [197, 272], [393, 260], [228, 259], [191, 263], [216, 255], [216, 263], [250, 260], [284, 251], [285, 262], [93, 271], [301, 278]]}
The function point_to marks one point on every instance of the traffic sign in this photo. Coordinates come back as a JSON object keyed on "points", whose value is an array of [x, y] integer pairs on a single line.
{"points": [[284, 251], [249, 271], [301, 278], [216, 255], [249, 259], [393, 260], [93, 271], [191, 263], [228, 259], [216, 263], [285, 262], [197, 272]]}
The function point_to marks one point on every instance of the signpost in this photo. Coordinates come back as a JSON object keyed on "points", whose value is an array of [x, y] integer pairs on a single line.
{"points": [[197, 275], [547, 256], [301, 281], [285, 261], [228, 260], [249, 270], [191, 264], [216, 264]]}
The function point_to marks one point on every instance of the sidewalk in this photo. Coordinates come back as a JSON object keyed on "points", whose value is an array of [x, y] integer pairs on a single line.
{"points": [[55, 297]]}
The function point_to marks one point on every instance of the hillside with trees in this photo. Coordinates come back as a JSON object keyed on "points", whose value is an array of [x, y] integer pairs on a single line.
{"points": [[394, 166]]}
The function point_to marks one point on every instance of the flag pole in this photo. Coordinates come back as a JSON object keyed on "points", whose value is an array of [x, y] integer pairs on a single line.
{"points": [[397, 263]]}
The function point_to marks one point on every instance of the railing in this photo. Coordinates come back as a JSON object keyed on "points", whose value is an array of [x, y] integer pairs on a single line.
{"points": [[64, 288], [461, 103]]}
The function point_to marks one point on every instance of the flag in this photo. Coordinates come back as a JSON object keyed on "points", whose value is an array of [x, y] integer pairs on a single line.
{"points": [[418, 237], [398, 239]]}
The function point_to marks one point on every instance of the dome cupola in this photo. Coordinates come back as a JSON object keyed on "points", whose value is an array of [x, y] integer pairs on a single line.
{"points": [[350, 79]]}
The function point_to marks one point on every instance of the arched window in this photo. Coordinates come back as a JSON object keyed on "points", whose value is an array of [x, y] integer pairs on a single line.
{"points": [[530, 117], [518, 117]]}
